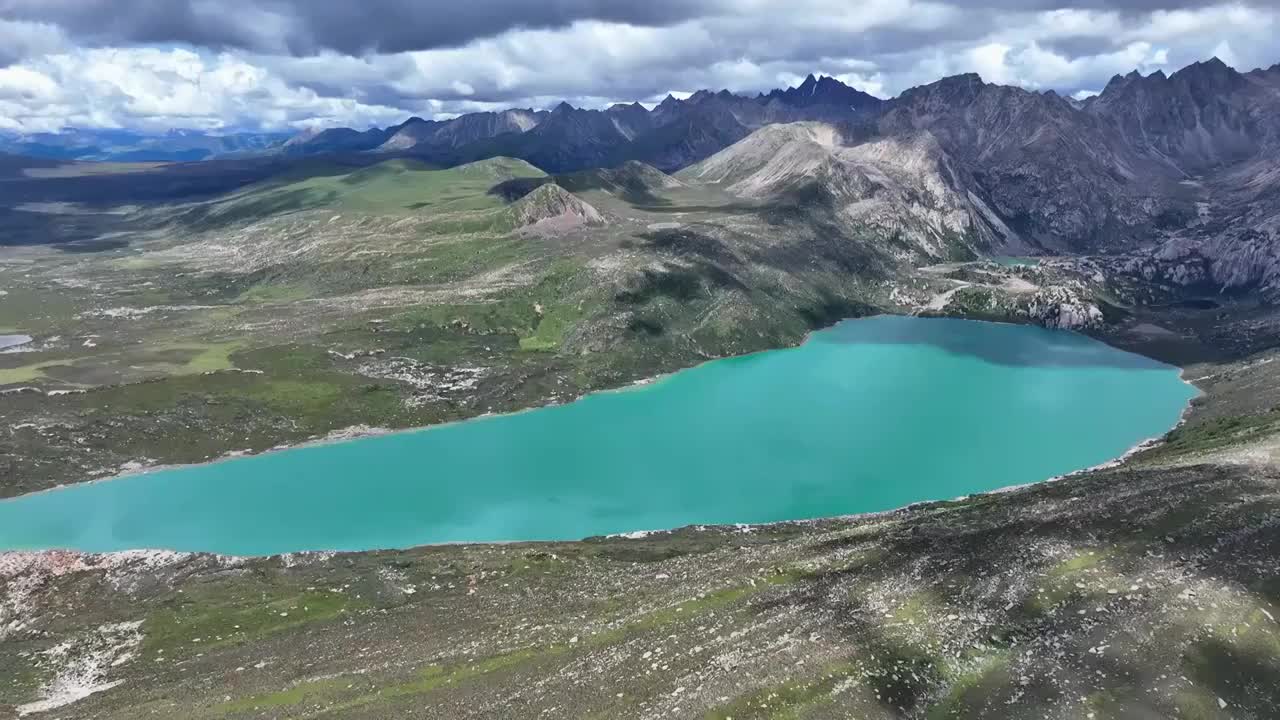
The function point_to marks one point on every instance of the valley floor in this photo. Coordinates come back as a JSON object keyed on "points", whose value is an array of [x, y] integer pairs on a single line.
{"points": [[1151, 589]]}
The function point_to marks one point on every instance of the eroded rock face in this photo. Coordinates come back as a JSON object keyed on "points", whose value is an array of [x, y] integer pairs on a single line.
{"points": [[903, 187], [551, 207], [1057, 176], [1063, 309]]}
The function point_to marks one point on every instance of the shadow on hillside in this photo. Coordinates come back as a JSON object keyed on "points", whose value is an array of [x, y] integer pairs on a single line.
{"points": [[516, 188], [624, 182], [176, 182], [74, 232], [95, 245], [678, 283], [687, 242], [1002, 344]]}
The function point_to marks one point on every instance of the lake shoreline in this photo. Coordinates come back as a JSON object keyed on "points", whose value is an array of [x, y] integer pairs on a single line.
{"points": [[358, 432]]}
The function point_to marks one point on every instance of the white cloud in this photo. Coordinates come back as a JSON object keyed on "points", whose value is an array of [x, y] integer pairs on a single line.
{"points": [[25, 84], [156, 89], [991, 61], [879, 46]]}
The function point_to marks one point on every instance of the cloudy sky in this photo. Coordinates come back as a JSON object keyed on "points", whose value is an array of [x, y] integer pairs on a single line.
{"points": [[280, 64]]}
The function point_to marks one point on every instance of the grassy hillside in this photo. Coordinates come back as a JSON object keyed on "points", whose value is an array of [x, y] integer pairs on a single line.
{"points": [[393, 187]]}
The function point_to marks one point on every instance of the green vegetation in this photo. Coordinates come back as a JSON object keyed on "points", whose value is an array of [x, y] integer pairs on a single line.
{"points": [[390, 187], [1067, 580], [196, 359], [1217, 432], [185, 626], [787, 699], [26, 373], [314, 692]]}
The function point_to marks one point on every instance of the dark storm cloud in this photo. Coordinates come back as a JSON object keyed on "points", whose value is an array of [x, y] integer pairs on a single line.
{"points": [[307, 26], [303, 27], [111, 22], [1136, 7], [402, 25], [1078, 46]]}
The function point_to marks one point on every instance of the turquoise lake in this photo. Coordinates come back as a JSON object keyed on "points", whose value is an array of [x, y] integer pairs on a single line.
{"points": [[869, 415]]}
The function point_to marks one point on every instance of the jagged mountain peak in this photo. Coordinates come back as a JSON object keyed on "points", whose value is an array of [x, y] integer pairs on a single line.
{"points": [[821, 90], [964, 84], [950, 91], [1206, 72], [969, 78], [1213, 65]]}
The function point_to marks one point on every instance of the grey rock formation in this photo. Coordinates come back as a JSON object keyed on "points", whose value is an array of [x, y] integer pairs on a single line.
{"points": [[901, 187], [551, 209]]}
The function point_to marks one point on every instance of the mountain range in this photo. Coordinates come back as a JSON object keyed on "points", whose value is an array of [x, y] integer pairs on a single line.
{"points": [[1149, 158], [127, 146], [672, 135], [1180, 167]]}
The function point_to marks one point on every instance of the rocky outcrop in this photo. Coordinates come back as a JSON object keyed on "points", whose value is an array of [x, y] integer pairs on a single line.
{"points": [[1063, 304], [551, 209], [1062, 307], [1054, 174], [903, 187]]}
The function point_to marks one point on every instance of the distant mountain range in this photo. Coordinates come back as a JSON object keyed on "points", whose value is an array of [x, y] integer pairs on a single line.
{"points": [[676, 133], [128, 146], [672, 135], [1182, 165]]}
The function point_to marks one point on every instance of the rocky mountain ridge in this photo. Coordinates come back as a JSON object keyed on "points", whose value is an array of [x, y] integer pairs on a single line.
{"points": [[1171, 176], [672, 135], [1169, 160]]}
